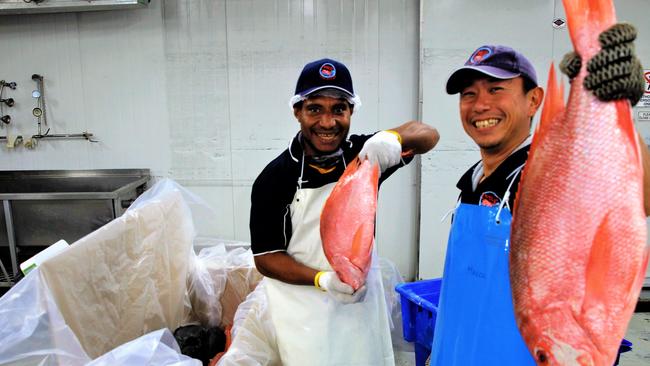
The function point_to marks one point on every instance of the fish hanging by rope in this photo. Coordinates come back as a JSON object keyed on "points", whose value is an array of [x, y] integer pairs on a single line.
{"points": [[579, 252]]}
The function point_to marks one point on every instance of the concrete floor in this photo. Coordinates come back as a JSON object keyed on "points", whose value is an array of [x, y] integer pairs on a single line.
{"points": [[638, 332]]}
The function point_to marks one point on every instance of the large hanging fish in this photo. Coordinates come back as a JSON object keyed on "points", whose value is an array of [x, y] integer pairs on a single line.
{"points": [[347, 223], [579, 252]]}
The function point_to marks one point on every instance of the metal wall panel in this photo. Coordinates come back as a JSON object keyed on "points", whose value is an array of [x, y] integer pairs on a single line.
{"points": [[103, 74], [98, 78], [198, 91]]}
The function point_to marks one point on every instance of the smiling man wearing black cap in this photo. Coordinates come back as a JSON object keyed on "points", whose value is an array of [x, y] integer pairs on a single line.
{"points": [[317, 319]]}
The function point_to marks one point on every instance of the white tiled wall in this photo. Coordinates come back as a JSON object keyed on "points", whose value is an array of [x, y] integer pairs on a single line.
{"points": [[197, 90]]}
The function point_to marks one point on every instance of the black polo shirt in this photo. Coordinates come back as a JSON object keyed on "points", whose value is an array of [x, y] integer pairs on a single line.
{"points": [[492, 189], [275, 188]]}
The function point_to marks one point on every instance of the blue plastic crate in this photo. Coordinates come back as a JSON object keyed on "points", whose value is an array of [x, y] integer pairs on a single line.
{"points": [[624, 347], [419, 310]]}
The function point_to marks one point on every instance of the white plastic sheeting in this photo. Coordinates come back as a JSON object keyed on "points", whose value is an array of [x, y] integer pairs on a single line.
{"points": [[127, 278], [219, 281], [122, 281], [256, 343], [108, 298], [32, 329], [158, 348], [254, 337]]}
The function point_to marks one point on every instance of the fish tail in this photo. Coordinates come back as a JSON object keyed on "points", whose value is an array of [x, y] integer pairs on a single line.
{"points": [[586, 20]]}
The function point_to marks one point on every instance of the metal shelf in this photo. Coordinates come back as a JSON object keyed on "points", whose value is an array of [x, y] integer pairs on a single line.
{"points": [[8, 7]]}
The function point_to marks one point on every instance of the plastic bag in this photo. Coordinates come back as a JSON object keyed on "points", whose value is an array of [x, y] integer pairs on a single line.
{"points": [[254, 339], [158, 348], [127, 278], [221, 277], [112, 286], [32, 330]]}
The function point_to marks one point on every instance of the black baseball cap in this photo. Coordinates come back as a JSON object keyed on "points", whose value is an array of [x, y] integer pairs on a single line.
{"points": [[323, 74]]}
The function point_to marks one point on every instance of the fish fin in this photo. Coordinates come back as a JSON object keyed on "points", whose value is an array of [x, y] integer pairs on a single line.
{"points": [[553, 108], [609, 279], [352, 167], [624, 119], [361, 246], [600, 261], [586, 20], [553, 105]]}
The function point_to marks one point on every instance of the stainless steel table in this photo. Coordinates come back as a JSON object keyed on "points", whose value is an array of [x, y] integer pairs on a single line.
{"points": [[40, 207]]}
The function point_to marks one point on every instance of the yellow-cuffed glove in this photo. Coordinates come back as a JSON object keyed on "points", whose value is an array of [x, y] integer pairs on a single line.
{"points": [[340, 291]]}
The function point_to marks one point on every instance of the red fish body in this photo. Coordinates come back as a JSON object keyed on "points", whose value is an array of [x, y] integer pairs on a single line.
{"points": [[347, 223], [579, 252]]}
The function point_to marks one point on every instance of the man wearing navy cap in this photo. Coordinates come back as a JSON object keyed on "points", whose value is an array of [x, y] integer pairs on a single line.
{"points": [[499, 95], [319, 320]]}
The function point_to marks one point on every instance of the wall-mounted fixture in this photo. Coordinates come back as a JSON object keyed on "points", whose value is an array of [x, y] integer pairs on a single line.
{"points": [[9, 102], [40, 112], [66, 6], [39, 95]]}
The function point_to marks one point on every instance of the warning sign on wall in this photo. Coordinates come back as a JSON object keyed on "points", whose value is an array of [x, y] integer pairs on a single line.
{"points": [[643, 116], [645, 100]]}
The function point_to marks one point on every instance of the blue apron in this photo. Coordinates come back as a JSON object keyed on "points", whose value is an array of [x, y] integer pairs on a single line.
{"points": [[476, 323]]}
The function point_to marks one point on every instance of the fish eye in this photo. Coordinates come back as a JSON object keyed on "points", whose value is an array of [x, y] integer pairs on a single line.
{"points": [[541, 356]]}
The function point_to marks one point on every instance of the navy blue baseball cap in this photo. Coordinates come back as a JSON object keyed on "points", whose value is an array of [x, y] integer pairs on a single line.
{"points": [[499, 62], [324, 74]]}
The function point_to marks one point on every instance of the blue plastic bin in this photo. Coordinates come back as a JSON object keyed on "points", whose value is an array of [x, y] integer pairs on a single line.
{"points": [[419, 310], [624, 347]]}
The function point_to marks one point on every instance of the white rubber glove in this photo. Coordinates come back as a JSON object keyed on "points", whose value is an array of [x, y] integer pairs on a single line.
{"points": [[384, 148], [340, 291]]}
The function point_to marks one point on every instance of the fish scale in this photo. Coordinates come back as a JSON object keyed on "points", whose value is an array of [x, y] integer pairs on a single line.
{"points": [[579, 251]]}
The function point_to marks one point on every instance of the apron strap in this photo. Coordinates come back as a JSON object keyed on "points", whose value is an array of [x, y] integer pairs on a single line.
{"points": [[451, 210], [506, 196]]}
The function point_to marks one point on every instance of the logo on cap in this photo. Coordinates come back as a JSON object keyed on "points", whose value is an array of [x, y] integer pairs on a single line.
{"points": [[480, 55], [327, 71]]}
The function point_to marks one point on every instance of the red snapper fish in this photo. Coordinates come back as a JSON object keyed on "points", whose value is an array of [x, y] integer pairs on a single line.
{"points": [[347, 222], [579, 253]]}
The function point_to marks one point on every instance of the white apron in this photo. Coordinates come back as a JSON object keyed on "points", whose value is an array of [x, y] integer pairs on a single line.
{"points": [[311, 327]]}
